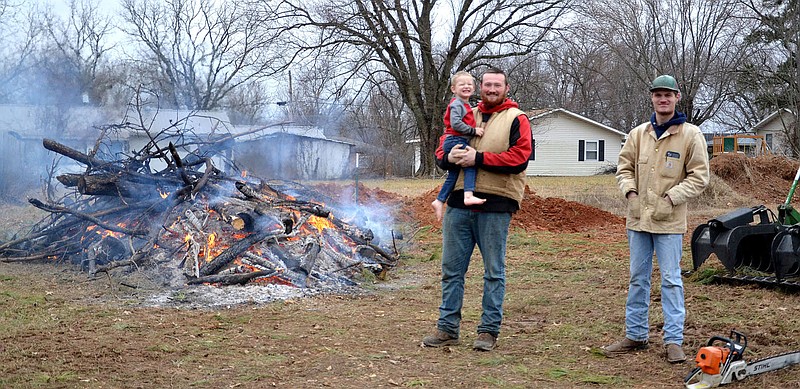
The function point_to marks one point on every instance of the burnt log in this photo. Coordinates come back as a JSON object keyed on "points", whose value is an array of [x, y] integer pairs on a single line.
{"points": [[234, 251], [105, 185], [231, 279], [303, 206], [248, 192], [311, 251], [99, 164]]}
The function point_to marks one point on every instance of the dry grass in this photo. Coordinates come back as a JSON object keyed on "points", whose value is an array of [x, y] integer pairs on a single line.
{"points": [[565, 297]]}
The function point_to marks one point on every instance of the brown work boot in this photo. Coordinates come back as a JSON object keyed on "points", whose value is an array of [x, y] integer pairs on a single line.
{"points": [[624, 346], [439, 339], [674, 353], [485, 342]]}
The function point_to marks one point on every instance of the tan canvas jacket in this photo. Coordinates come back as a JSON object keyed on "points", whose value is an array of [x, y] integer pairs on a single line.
{"points": [[675, 165]]}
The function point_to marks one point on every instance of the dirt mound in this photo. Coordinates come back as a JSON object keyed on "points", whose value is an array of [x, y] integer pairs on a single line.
{"points": [[537, 213], [765, 178], [559, 215]]}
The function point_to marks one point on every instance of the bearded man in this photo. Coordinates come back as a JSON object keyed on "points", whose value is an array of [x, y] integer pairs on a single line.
{"points": [[501, 157]]}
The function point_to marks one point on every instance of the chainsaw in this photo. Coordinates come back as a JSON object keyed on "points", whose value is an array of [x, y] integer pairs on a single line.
{"points": [[720, 365]]}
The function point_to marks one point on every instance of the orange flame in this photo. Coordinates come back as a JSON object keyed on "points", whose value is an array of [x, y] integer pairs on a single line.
{"points": [[320, 223], [104, 232], [163, 194]]}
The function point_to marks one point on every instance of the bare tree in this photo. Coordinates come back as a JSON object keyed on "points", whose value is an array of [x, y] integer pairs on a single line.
{"points": [[382, 122], [195, 52], [19, 34], [76, 50], [769, 78], [247, 103], [697, 41], [419, 44], [315, 97]]}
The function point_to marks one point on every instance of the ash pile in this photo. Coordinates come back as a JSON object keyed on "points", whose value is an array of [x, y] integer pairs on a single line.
{"points": [[190, 224]]}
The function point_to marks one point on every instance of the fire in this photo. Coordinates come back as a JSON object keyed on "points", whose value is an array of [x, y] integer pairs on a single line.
{"points": [[104, 232], [244, 173], [212, 238], [320, 223], [163, 194]]}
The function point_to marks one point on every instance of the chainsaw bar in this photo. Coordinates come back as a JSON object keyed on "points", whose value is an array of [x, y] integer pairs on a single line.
{"points": [[774, 362]]}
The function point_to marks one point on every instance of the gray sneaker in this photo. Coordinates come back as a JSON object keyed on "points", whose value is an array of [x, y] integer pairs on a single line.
{"points": [[439, 339], [485, 342], [624, 346], [674, 353]]}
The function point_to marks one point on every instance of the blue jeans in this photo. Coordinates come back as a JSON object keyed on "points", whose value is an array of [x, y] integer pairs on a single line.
{"points": [[470, 173], [462, 229], [667, 248]]}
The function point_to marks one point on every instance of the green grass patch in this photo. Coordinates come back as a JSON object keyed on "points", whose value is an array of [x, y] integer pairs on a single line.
{"points": [[494, 381], [495, 361], [705, 276], [273, 359], [557, 373]]}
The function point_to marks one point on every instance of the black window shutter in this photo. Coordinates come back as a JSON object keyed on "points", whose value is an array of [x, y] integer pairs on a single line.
{"points": [[601, 152], [533, 150], [581, 150]]}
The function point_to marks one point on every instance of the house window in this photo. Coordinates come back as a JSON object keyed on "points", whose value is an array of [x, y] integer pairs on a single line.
{"points": [[768, 139], [591, 150]]}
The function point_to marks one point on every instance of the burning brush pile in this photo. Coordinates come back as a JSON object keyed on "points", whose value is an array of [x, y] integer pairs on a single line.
{"points": [[184, 226]]}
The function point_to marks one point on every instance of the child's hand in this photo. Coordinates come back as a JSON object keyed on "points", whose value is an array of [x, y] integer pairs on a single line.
{"points": [[479, 131]]}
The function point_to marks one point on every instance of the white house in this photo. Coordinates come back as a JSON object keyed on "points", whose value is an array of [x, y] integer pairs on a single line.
{"points": [[774, 129], [568, 144], [294, 152]]}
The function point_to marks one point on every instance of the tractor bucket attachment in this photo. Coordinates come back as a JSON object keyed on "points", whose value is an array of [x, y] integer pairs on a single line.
{"points": [[785, 253], [737, 240]]}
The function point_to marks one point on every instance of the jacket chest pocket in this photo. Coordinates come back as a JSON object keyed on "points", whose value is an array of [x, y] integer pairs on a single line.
{"points": [[673, 165]]}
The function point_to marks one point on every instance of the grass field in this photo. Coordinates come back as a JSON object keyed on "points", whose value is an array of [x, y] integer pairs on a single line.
{"points": [[565, 299]]}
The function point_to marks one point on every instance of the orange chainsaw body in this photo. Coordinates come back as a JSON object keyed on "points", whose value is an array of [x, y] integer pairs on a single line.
{"points": [[710, 358]]}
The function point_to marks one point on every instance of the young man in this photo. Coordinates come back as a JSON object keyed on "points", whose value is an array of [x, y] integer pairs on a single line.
{"points": [[662, 165], [501, 156]]}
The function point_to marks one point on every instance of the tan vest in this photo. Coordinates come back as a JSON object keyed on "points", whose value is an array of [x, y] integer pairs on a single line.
{"points": [[495, 140]]}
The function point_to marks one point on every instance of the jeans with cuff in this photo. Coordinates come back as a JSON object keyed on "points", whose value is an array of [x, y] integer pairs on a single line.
{"points": [[668, 250]]}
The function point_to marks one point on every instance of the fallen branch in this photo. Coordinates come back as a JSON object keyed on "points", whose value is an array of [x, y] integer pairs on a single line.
{"points": [[58, 209]]}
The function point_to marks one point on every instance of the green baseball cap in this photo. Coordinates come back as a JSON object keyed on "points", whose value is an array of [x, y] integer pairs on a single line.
{"points": [[665, 82]]}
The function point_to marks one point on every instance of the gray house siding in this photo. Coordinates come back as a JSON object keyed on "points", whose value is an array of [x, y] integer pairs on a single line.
{"points": [[292, 157]]}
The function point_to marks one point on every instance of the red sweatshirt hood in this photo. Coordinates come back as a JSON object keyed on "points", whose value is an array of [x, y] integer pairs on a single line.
{"points": [[508, 103]]}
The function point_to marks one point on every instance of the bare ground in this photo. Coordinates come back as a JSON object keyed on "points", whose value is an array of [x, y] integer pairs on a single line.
{"points": [[565, 298]]}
